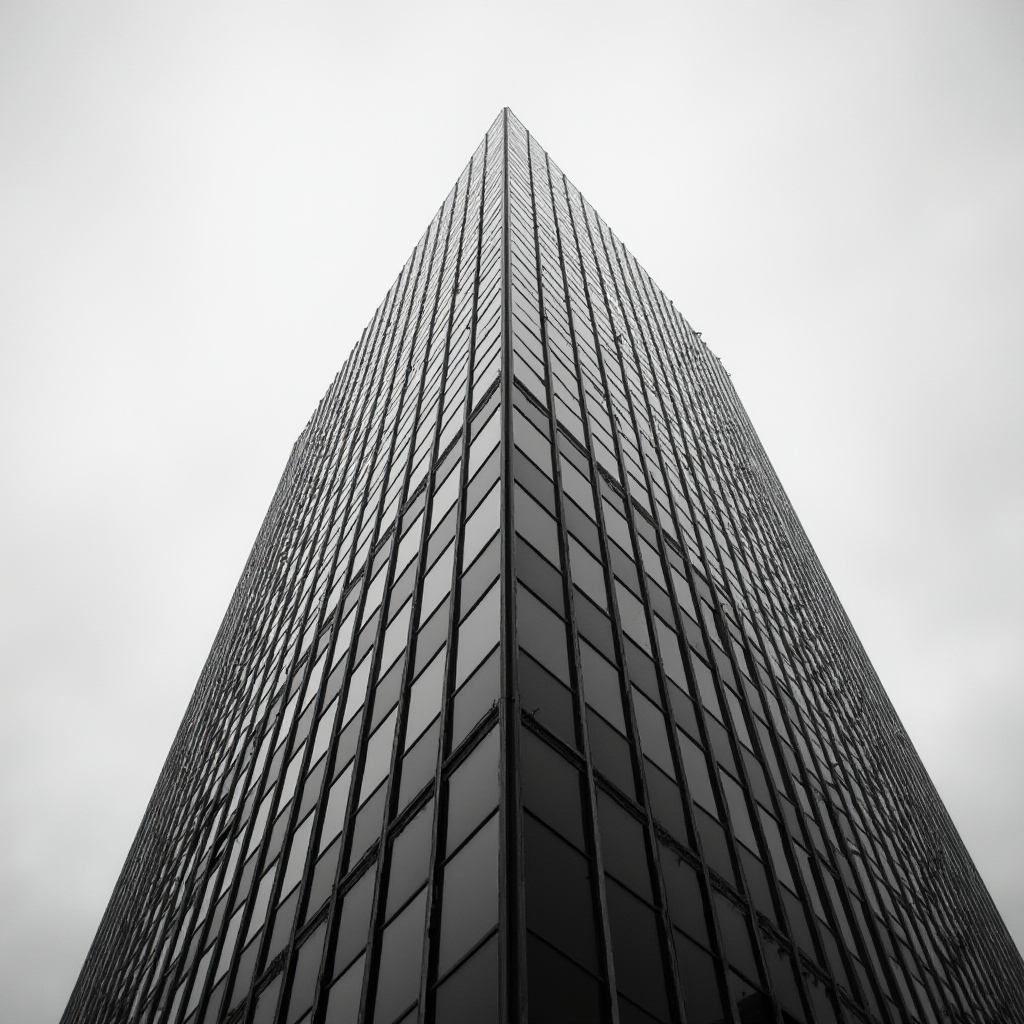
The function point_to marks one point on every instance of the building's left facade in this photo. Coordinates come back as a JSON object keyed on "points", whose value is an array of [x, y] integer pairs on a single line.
{"points": [[276, 795]]}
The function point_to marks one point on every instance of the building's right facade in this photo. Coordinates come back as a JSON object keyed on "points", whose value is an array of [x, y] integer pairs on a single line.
{"points": [[801, 862], [533, 704]]}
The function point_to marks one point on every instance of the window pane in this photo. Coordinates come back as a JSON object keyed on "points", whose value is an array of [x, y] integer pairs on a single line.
{"points": [[398, 979], [469, 901], [470, 995]]}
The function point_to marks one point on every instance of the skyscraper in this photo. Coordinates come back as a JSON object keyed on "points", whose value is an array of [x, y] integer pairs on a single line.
{"points": [[533, 702]]}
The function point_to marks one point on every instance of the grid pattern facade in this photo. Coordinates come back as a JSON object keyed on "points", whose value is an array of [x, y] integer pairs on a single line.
{"points": [[533, 702]]}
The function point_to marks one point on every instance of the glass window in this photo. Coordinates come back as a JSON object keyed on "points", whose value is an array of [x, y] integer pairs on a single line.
{"points": [[355, 920], [476, 697], [484, 443], [559, 989], [482, 525], [601, 685], [297, 854], [695, 766], [546, 700], [735, 931], [536, 526], [266, 1003], [419, 764], [559, 897], [530, 440], [398, 978], [473, 790], [307, 969], [701, 994], [343, 1000], [437, 582], [378, 756], [587, 573], [622, 845], [639, 969], [469, 901], [478, 633], [470, 995], [484, 571], [425, 699], [551, 789], [542, 634], [410, 853], [539, 575], [653, 732]]}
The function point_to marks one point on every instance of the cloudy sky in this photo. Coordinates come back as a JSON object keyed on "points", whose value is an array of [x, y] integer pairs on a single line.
{"points": [[201, 204]]}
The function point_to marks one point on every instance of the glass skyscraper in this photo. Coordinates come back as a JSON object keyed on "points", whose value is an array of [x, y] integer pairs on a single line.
{"points": [[533, 703]]}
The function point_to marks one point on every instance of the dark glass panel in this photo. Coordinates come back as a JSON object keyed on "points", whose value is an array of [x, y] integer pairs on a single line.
{"points": [[337, 802], [419, 765], [432, 637], [546, 700], [246, 966], [653, 732], [735, 931], [701, 994], [478, 633], [424, 700], [476, 698], [297, 854], [347, 742], [698, 778], [601, 687], [757, 882], [682, 889], [720, 746], [343, 1000], [398, 977], [536, 526], [266, 1003], [610, 753], [560, 992], [559, 895], [284, 920], [667, 804], [622, 845], [484, 571], [587, 573], [410, 852], [714, 844], [539, 575], [593, 624], [378, 756], [470, 995], [551, 789], [307, 970], [542, 634], [323, 878], [481, 526], [639, 967], [473, 790], [366, 828], [385, 694], [533, 480], [469, 898], [355, 920], [311, 787]]}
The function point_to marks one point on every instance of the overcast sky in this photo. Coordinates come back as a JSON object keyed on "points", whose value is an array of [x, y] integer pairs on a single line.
{"points": [[201, 205]]}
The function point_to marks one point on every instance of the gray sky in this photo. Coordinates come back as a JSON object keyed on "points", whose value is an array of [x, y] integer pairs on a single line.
{"points": [[201, 204]]}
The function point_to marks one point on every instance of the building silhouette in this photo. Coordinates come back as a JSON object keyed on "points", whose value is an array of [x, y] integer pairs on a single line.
{"points": [[533, 702]]}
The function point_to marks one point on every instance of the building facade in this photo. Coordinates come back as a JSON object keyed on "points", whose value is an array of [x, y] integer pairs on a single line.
{"points": [[533, 702]]}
